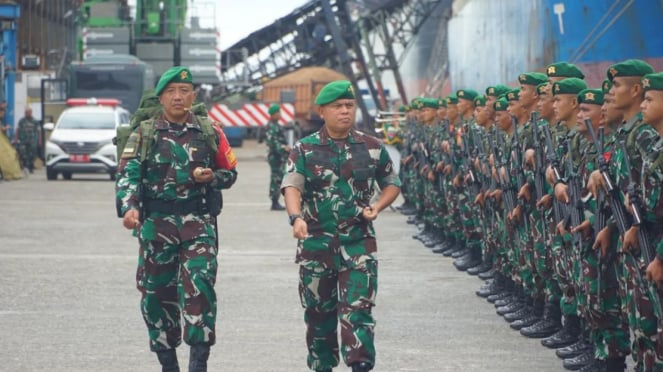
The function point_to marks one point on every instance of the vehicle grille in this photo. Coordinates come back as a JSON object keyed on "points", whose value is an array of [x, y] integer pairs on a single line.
{"points": [[80, 147]]}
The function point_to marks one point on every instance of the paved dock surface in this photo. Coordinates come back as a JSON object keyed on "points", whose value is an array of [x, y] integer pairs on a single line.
{"points": [[68, 300]]}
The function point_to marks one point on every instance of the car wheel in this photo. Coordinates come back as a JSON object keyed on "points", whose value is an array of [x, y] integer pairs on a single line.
{"points": [[112, 176], [51, 175], [66, 175]]}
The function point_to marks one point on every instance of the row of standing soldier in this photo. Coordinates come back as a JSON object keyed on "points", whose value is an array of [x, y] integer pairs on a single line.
{"points": [[551, 191]]}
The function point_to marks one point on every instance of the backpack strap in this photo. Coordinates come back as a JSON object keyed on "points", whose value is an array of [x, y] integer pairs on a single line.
{"points": [[147, 137], [206, 126]]}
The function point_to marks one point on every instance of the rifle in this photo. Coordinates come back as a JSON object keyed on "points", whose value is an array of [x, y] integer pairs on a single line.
{"points": [[520, 172], [553, 162], [539, 171], [467, 164], [575, 208], [504, 183], [646, 250]]}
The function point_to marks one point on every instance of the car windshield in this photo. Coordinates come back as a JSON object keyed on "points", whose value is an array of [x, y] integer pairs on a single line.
{"points": [[87, 120]]}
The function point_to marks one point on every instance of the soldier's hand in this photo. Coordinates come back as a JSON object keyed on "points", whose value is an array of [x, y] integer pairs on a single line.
{"points": [[300, 229], [627, 204], [491, 160], [524, 193], [447, 170], [595, 181], [456, 181], [602, 241], [562, 193], [545, 202], [203, 175], [516, 214], [497, 195], [584, 228], [529, 158], [445, 146], [369, 213], [408, 159], [287, 148], [131, 219], [561, 228], [630, 239], [502, 171], [430, 176], [477, 164], [479, 200], [655, 272], [439, 166]]}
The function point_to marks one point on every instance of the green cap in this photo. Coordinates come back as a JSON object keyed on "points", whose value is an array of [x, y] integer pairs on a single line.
{"points": [[630, 67], [569, 86], [532, 78], [430, 103], [592, 96], [442, 102], [467, 94], [501, 104], [402, 108], [607, 84], [339, 89], [497, 90], [653, 81], [480, 101], [565, 70], [513, 95], [542, 88], [452, 99], [273, 109], [414, 104], [177, 74]]}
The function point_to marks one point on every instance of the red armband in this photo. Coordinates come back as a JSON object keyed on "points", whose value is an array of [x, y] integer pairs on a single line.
{"points": [[224, 158]]}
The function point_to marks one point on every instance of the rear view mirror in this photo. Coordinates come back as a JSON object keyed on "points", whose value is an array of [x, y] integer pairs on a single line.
{"points": [[49, 126]]}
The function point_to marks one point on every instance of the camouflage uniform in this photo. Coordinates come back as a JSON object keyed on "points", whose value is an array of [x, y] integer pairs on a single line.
{"points": [[276, 156], [338, 263], [28, 141], [177, 260]]}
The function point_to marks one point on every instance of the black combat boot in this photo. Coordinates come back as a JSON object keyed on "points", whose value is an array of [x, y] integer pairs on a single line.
{"points": [[168, 360], [276, 206], [487, 274], [494, 287], [548, 325], [615, 364], [565, 336], [533, 316], [595, 365], [576, 348], [579, 361], [454, 246], [361, 367], [198, 358], [473, 259]]}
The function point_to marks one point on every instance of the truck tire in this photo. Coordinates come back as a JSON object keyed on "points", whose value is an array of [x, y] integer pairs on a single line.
{"points": [[51, 175]]}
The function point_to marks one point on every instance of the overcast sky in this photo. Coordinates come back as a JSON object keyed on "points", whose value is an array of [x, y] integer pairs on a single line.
{"points": [[237, 19]]}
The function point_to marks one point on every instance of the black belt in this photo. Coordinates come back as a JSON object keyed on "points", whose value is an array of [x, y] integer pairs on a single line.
{"points": [[177, 207]]}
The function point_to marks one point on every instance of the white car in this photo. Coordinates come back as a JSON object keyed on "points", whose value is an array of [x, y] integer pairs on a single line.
{"points": [[82, 139]]}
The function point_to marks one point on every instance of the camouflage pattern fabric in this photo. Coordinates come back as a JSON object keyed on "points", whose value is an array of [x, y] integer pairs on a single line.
{"points": [[276, 157], [177, 263], [337, 179], [28, 141]]}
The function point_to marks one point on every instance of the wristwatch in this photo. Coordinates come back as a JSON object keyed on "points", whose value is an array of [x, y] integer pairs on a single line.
{"points": [[293, 217]]}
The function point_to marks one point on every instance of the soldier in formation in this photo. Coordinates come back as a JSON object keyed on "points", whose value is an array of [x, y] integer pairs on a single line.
{"points": [[551, 193]]}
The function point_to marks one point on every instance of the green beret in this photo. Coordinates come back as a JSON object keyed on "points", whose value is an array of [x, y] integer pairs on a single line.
{"points": [[452, 99], [442, 102], [513, 95], [501, 104], [430, 103], [402, 108], [569, 86], [273, 109], [467, 94], [607, 84], [532, 78], [480, 101], [339, 89], [592, 96], [414, 104], [653, 81], [177, 74], [542, 88], [630, 67], [564, 69], [497, 90]]}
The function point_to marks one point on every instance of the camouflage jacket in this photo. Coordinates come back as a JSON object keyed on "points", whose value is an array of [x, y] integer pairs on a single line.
{"points": [[337, 181], [27, 131], [275, 139], [169, 166]]}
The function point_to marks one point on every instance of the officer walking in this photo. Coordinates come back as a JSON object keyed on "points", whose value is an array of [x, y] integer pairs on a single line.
{"points": [[27, 139], [166, 191], [328, 187], [277, 155]]}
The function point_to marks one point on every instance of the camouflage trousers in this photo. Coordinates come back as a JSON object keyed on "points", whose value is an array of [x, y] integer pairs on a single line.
{"points": [[469, 218], [563, 266], [429, 194], [542, 259], [176, 276], [27, 153], [277, 169], [330, 296], [526, 255], [602, 306], [506, 252], [551, 280], [450, 219], [638, 304]]}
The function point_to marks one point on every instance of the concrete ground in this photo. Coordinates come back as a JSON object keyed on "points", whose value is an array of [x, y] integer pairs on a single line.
{"points": [[68, 300]]}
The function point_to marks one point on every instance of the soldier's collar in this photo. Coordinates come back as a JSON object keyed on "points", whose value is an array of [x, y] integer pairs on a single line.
{"points": [[629, 124], [353, 136]]}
